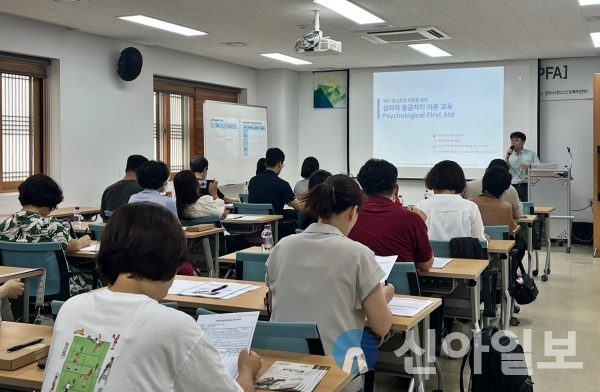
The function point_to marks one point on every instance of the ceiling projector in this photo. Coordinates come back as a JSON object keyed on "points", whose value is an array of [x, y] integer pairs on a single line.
{"points": [[314, 43]]}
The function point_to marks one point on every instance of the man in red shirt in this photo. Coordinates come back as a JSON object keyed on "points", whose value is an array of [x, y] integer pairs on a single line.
{"points": [[385, 228]]}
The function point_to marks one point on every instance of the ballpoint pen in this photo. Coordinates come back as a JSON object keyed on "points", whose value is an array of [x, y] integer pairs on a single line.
{"points": [[20, 346], [218, 288]]}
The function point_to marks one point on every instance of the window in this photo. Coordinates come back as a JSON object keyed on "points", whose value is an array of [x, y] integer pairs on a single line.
{"points": [[178, 114], [22, 125]]}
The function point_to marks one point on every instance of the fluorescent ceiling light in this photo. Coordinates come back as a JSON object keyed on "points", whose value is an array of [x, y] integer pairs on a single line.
{"points": [[351, 11], [287, 59], [430, 50], [596, 39], [160, 24], [589, 2]]}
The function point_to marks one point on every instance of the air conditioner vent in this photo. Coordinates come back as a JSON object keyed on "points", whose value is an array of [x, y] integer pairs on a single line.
{"points": [[413, 34]]}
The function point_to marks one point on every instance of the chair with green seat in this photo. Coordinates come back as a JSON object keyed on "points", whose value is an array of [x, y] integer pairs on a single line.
{"points": [[254, 208], [49, 256], [527, 208], [96, 229], [243, 197], [250, 266], [108, 213], [499, 232], [56, 305]]}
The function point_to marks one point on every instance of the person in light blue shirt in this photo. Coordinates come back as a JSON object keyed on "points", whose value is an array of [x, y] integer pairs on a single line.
{"points": [[520, 160], [153, 176]]}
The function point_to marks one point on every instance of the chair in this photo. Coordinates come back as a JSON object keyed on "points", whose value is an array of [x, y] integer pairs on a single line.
{"points": [[250, 266], [108, 213], [56, 305], [300, 218], [302, 338], [254, 208], [442, 248], [243, 197], [298, 231], [404, 278], [499, 232], [96, 229], [527, 208], [46, 255], [215, 220]]}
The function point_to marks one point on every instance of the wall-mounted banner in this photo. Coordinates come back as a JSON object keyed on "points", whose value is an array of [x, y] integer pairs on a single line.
{"points": [[565, 79]]}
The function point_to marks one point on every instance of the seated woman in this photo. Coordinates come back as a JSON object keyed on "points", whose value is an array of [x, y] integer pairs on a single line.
{"points": [[260, 166], [315, 179], [189, 200], [153, 176], [135, 343], [448, 214], [321, 275], [39, 195], [309, 166]]}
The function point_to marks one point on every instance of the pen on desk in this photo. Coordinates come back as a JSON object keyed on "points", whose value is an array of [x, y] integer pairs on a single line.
{"points": [[87, 231], [218, 288], [236, 217], [20, 346]]}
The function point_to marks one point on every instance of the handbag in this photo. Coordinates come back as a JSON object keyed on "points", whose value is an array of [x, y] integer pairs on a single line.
{"points": [[525, 291]]}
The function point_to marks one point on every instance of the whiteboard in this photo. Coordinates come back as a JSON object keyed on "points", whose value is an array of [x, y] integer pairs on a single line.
{"points": [[235, 137]]}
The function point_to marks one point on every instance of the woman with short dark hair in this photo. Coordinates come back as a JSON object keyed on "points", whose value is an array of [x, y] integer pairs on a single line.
{"points": [[189, 200], [309, 166], [135, 343], [448, 214]]}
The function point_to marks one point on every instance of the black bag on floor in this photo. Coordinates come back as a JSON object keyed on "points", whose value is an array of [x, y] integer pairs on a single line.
{"points": [[492, 378], [526, 292]]}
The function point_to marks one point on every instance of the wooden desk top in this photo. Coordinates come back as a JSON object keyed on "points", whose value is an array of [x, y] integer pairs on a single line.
{"points": [[65, 212], [88, 255], [257, 219], [17, 273], [254, 301], [188, 234], [458, 269], [230, 257], [29, 376], [334, 381], [515, 231], [500, 246], [543, 210], [526, 219]]}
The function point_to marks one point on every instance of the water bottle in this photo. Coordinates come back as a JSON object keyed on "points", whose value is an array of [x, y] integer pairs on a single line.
{"points": [[521, 207], [67, 225], [267, 239], [427, 195], [77, 218]]}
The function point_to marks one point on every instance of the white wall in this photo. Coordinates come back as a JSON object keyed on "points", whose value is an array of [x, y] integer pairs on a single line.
{"points": [[96, 120]]}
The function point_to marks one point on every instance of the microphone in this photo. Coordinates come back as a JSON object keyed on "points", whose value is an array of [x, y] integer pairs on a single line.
{"points": [[512, 149]]}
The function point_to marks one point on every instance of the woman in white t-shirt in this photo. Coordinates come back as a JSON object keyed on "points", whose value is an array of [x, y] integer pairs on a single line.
{"points": [[189, 200], [120, 338], [448, 214], [309, 166], [323, 276]]}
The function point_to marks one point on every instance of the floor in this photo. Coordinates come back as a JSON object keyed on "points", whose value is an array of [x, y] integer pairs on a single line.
{"points": [[568, 301]]}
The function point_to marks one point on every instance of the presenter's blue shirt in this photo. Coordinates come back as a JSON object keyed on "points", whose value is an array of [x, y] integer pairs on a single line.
{"points": [[515, 160]]}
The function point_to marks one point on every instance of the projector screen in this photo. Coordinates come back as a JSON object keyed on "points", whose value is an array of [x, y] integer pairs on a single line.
{"points": [[415, 118]]}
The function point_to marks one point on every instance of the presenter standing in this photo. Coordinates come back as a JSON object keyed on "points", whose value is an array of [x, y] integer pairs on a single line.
{"points": [[520, 160]]}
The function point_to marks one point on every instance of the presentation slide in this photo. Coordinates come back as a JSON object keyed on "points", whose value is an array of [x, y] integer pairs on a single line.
{"points": [[423, 117]]}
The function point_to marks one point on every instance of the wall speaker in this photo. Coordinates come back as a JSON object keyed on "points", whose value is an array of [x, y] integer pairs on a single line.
{"points": [[130, 64]]}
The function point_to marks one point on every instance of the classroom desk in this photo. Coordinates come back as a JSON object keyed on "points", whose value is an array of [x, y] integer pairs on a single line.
{"points": [[545, 212], [194, 238], [7, 273], [230, 258], [529, 220], [460, 270], [31, 377], [256, 224], [503, 248], [254, 301], [67, 212]]}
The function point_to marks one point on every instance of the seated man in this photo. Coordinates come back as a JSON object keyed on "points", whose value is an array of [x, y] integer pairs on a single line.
{"points": [[267, 187], [199, 165], [494, 211], [153, 177], [119, 193], [125, 337], [39, 195], [385, 228], [474, 189]]}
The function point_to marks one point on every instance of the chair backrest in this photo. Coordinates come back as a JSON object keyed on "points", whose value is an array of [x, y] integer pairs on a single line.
{"points": [[497, 232], [56, 305], [404, 278], [254, 208], [250, 265], [298, 231], [197, 221], [96, 229], [300, 219], [527, 208], [108, 213], [243, 197], [442, 248], [46, 255], [302, 338]]}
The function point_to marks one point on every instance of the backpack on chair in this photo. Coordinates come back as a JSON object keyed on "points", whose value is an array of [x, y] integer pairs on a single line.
{"points": [[492, 378]]}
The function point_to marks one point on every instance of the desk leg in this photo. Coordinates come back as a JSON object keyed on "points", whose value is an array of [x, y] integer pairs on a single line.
{"points": [[276, 232], [548, 247], [208, 256], [216, 254], [424, 327], [26, 300], [529, 246], [505, 294], [476, 305], [418, 359]]}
